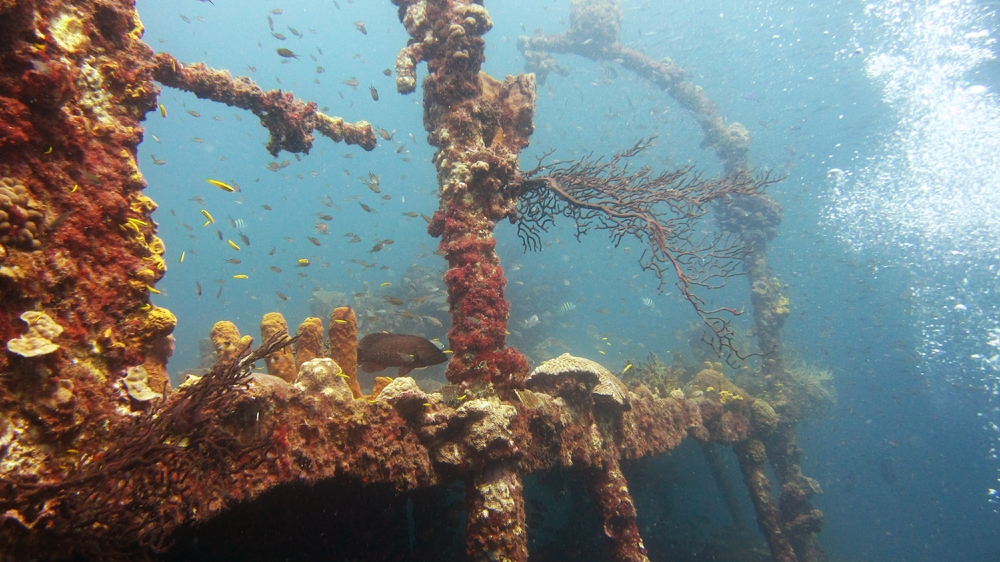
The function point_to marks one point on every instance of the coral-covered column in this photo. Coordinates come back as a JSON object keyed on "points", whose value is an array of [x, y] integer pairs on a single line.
{"points": [[479, 126], [752, 458], [495, 527], [79, 255], [76, 239], [617, 510], [718, 468]]}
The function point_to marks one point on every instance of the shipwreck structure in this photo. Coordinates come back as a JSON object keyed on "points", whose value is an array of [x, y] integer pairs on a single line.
{"points": [[99, 457]]}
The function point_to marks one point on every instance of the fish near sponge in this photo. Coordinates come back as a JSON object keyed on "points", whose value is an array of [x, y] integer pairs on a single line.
{"points": [[380, 351]]}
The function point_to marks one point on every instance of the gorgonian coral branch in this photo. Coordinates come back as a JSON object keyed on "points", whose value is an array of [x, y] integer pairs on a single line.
{"points": [[663, 210]]}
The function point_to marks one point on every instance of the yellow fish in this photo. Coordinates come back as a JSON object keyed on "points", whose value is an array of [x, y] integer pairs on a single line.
{"points": [[182, 258], [627, 367], [222, 185], [240, 276], [163, 111], [208, 216], [386, 284], [233, 245], [303, 262]]}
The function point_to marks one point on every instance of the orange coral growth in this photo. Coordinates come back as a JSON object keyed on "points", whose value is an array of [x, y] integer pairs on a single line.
{"points": [[157, 354], [282, 362], [344, 344], [309, 346], [380, 383]]}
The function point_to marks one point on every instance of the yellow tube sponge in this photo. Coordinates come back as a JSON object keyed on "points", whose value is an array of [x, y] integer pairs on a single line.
{"points": [[36, 340], [343, 333], [226, 339], [309, 346], [280, 363]]}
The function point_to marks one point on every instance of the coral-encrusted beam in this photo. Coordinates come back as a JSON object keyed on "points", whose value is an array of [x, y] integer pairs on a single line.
{"points": [[617, 512], [291, 121], [752, 457], [479, 126]]}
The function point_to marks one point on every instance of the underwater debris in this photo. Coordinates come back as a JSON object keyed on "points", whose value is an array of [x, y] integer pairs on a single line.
{"points": [[137, 498]]}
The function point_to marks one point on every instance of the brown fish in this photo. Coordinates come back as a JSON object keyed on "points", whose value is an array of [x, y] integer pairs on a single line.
{"points": [[380, 351], [60, 219]]}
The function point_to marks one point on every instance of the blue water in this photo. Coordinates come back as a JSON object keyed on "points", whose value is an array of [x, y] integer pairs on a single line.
{"points": [[884, 118]]}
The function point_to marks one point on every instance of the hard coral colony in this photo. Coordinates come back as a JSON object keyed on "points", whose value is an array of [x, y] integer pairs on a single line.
{"points": [[100, 458]]}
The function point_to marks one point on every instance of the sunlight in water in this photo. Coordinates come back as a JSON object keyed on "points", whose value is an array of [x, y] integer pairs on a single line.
{"points": [[927, 196]]}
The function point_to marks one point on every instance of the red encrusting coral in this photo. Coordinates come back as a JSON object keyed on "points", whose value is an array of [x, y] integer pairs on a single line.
{"points": [[479, 126], [99, 255]]}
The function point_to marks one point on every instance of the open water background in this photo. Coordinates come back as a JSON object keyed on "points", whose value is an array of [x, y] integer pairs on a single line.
{"points": [[884, 118]]}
